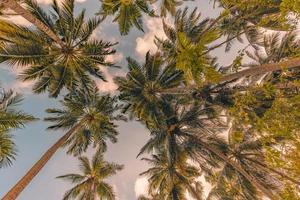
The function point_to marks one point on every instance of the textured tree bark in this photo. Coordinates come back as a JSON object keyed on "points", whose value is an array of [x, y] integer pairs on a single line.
{"points": [[274, 171], [14, 192], [238, 168], [271, 67], [13, 5]]}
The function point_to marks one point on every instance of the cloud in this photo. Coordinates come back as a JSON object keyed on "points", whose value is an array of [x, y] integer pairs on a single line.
{"points": [[109, 85], [141, 186], [146, 42], [115, 58], [23, 87]]}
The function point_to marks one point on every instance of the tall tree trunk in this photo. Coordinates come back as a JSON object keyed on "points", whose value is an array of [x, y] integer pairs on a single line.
{"points": [[14, 192], [262, 69], [14, 5], [238, 168], [270, 67], [274, 170]]}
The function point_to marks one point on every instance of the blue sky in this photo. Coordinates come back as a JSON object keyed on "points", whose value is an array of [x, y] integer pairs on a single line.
{"points": [[33, 140]]}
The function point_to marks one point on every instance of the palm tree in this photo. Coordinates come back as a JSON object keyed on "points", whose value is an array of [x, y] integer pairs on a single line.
{"points": [[273, 53], [230, 183], [89, 119], [90, 184], [51, 66], [19, 10], [194, 129], [128, 13], [172, 180], [186, 45], [10, 119], [7, 149], [138, 88]]}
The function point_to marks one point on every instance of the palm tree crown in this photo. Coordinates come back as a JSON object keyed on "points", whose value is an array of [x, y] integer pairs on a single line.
{"points": [[49, 64], [97, 114], [140, 88], [171, 181], [127, 13], [186, 46], [91, 185]]}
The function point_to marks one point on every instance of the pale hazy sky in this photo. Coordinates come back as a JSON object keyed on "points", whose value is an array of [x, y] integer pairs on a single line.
{"points": [[33, 140]]}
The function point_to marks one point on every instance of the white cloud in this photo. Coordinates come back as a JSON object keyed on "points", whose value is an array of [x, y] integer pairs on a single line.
{"points": [[141, 186], [146, 42], [22, 87], [114, 58], [109, 85]]}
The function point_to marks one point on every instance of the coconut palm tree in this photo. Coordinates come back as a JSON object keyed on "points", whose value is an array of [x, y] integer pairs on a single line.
{"points": [[138, 90], [186, 45], [89, 119], [146, 108], [10, 118], [186, 129], [171, 181], [91, 183], [230, 183], [128, 13], [51, 66]]}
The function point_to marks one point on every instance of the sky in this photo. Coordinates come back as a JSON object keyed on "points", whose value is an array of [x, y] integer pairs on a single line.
{"points": [[34, 140]]}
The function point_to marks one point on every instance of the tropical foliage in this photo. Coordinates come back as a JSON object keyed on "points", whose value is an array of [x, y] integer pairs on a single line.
{"points": [[52, 66], [234, 127], [127, 13], [10, 119], [91, 183]]}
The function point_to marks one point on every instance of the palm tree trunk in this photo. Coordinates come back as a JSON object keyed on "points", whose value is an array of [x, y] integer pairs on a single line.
{"points": [[14, 192], [266, 68], [13, 5], [274, 170], [238, 168], [270, 67]]}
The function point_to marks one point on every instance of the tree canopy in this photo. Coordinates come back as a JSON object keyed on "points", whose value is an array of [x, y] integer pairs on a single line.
{"points": [[235, 127]]}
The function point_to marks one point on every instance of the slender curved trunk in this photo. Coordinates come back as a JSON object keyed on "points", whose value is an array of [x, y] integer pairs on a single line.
{"points": [[14, 192], [266, 68], [14, 5], [238, 168], [270, 67], [274, 171]]}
